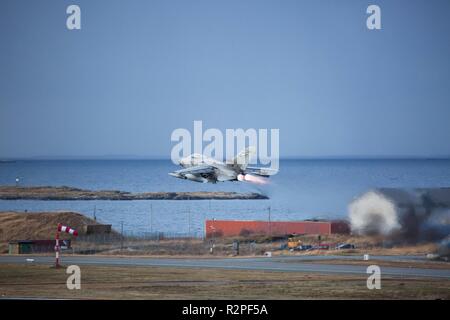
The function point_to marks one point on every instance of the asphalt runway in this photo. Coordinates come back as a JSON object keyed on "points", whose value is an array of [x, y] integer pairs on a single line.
{"points": [[284, 264]]}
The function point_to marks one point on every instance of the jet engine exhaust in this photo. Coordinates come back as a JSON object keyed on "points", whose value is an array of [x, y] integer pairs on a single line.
{"points": [[252, 179]]}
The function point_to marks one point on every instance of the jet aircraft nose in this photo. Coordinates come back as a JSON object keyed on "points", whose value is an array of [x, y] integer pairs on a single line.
{"points": [[174, 174]]}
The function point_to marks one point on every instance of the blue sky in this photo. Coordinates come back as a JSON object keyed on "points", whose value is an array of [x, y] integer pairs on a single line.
{"points": [[139, 69]]}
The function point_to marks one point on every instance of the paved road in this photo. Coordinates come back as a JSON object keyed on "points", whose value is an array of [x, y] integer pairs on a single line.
{"points": [[286, 264]]}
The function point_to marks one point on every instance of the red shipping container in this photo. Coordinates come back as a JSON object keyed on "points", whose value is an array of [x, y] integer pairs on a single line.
{"points": [[229, 228]]}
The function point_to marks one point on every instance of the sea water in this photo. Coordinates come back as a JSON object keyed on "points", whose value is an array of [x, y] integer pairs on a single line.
{"points": [[302, 189]]}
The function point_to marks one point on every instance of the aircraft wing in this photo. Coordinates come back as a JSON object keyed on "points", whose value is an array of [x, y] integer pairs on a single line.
{"points": [[200, 169], [264, 172]]}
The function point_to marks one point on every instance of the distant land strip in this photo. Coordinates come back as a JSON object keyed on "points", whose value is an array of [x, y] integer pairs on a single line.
{"points": [[69, 193]]}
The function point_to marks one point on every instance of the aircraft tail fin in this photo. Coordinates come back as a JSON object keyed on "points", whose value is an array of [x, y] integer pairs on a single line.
{"points": [[243, 157]]}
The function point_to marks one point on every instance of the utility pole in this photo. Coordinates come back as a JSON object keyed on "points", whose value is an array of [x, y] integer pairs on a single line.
{"points": [[270, 225], [151, 219], [212, 241], [121, 235], [189, 218]]}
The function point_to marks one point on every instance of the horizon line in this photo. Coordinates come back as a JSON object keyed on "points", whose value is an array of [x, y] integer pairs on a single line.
{"points": [[130, 158]]}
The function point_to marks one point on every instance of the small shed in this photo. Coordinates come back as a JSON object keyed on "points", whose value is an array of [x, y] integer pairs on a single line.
{"points": [[35, 246], [97, 229], [19, 247]]}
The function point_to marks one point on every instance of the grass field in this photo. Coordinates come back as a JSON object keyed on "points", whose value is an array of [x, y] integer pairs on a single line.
{"points": [[183, 283]]}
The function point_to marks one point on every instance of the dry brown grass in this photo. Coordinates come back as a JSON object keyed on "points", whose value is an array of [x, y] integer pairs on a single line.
{"points": [[183, 283], [37, 226]]}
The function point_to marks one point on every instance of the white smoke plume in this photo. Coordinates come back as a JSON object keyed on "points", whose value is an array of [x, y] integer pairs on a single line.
{"points": [[373, 214], [402, 215]]}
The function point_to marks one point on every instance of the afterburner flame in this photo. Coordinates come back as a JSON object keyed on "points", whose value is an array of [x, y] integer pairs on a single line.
{"points": [[254, 179]]}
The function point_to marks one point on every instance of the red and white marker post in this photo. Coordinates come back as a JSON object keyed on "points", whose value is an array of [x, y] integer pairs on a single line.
{"points": [[60, 229]]}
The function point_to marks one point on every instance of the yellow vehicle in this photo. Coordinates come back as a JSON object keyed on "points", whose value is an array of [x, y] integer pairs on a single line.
{"points": [[293, 242]]}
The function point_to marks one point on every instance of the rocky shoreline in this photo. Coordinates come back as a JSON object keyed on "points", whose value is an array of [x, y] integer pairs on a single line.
{"points": [[70, 193]]}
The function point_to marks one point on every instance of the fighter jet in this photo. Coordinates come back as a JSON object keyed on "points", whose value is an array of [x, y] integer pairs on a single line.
{"points": [[200, 168]]}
